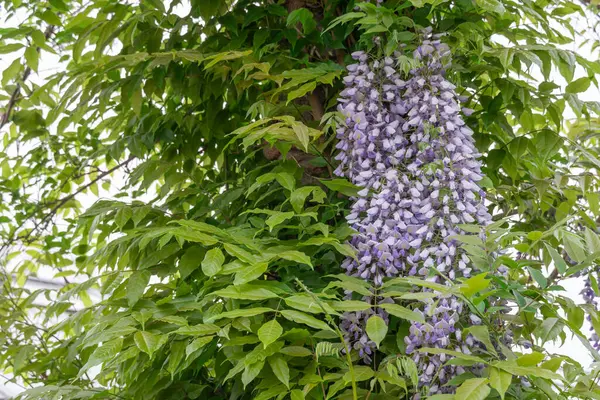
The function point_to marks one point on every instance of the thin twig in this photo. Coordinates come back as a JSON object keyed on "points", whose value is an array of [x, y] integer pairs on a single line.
{"points": [[40, 225], [12, 102]]}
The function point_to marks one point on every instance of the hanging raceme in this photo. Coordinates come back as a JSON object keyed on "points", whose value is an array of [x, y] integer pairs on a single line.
{"points": [[407, 147]]}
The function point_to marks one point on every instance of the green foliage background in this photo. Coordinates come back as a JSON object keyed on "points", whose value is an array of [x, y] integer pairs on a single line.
{"points": [[225, 281]]}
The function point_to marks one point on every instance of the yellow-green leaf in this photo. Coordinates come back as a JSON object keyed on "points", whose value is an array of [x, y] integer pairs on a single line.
{"points": [[301, 318], [280, 369], [148, 342], [473, 389], [376, 329], [500, 380], [213, 262], [270, 332]]}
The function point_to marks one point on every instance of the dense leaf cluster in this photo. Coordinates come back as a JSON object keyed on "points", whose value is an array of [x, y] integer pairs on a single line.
{"points": [[210, 263]]}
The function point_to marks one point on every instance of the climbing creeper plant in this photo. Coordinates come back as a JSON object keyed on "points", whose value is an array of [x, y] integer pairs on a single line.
{"points": [[299, 199]]}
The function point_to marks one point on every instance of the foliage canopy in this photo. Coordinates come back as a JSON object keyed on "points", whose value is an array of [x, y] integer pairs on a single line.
{"points": [[218, 259]]}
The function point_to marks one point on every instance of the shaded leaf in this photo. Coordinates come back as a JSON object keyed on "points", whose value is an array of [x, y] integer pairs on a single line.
{"points": [[280, 369]]}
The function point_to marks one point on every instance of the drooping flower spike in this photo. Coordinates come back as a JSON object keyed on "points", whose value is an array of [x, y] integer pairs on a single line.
{"points": [[406, 145]]}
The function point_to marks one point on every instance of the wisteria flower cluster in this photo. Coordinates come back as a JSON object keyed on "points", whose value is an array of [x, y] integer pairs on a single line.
{"points": [[589, 296], [406, 145]]}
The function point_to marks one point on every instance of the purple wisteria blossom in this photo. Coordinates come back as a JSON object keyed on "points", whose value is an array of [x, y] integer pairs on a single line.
{"points": [[406, 145], [589, 296]]}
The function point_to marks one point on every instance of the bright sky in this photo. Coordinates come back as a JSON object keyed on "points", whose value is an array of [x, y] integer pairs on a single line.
{"points": [[50, 65]]}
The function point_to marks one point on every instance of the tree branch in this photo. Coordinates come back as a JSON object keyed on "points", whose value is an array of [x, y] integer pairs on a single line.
{"points": [[61, 202], [68, 198], [12, 102]]}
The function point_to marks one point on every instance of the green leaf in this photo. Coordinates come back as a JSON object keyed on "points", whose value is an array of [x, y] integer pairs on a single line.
{"points": [[122, 216], [475, 284], [453, 353], [60, 5], [197, 344], [286, 180], [549, 329], [578, 85], [422, 3], [137, 101], [500, 380], [213, 262], [298, 197], [531, 359], [190, 235], [515, 369], [494, 6], [376, 329], [361, 373], [518, 146], [278, 218], [246, 312], [469, 239], [481, 333], [346, 17], [342, 186], [244, 292], [351, 305], [23, 357], [9, 48], [102, 354], [296, 351], [190, 261], [240, 253], [402, 312], [307, 303], [11, 71], [51, 18], [251, 371], [250, 273], [148, 342], [423, 296], [547, 143], [422, 283], [269, 333], [301, 318], [473, 389], [297, 394], [225, 56], [177, 352], [575, 316], [296, 256], [32, 57], [198, 330], [173, 319], [592, 240], [136, 286], [505, 56], [304, 17], [280, 369], [559, 262], [573, 246], [302, 90], [538, 276]]}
